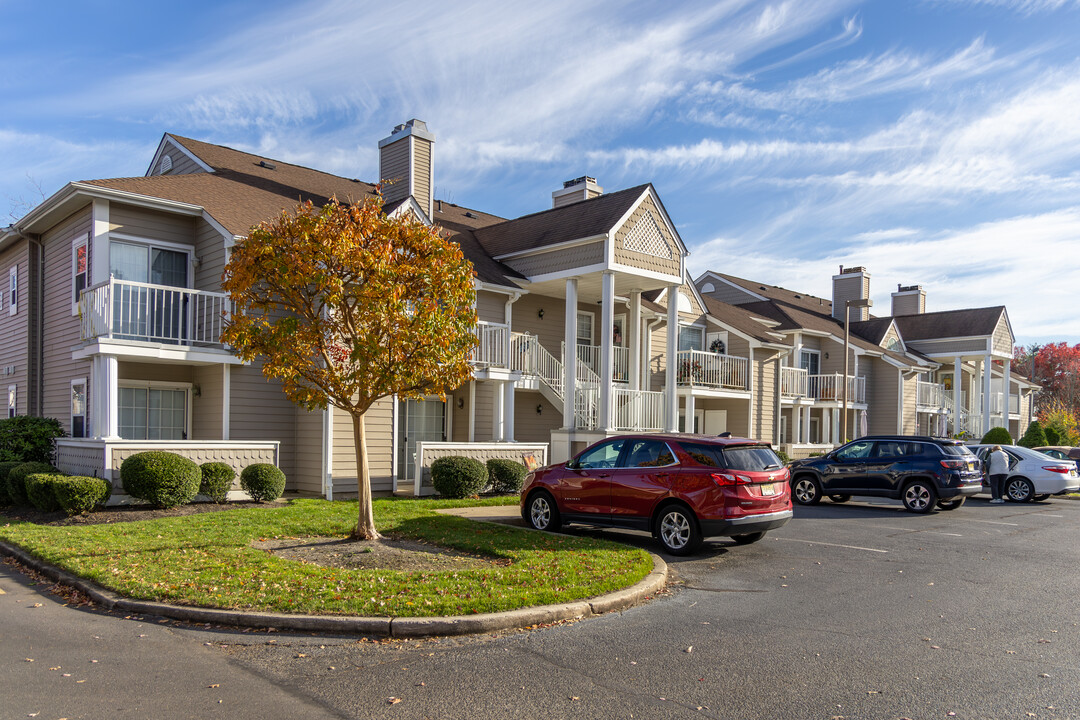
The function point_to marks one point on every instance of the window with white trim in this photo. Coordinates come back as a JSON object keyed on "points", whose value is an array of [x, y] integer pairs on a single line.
{"points": [[152, 412], [12, 391], [585, 328], [810, 361], [13, 290], [80, 271], [78, 408], [691, 337]]}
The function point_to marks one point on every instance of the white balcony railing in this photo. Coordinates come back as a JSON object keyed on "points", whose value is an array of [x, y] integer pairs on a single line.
{"points": [[830, 388], [589, 356], [637, 411], [493, 344], [931, 396], [712, 370], [793, 382], [125, 310]]}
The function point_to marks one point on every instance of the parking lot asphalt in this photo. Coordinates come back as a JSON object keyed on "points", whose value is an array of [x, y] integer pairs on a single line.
{"points": [[850, 611]]}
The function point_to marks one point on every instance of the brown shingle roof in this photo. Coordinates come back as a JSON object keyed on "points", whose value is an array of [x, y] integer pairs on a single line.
{"points": [[569, 222], [740, 318], [950, 323], [775, 292]]}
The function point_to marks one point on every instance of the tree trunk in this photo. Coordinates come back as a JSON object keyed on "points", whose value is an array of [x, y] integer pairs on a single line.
{"points": [[365, 526]]}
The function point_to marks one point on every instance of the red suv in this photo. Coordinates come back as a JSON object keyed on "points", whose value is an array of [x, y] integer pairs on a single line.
{"points": [[681, 488]]}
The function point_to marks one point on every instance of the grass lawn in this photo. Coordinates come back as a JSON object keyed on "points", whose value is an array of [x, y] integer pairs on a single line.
{"points": [[206, 560]]}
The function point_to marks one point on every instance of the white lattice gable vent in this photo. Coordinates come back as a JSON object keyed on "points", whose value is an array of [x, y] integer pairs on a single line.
{"points": [[647, 238], [166, 164]]}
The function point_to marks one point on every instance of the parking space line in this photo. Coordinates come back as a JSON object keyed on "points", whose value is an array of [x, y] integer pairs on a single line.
{"points": [[849, 547], [990, 522], [915, 530]]}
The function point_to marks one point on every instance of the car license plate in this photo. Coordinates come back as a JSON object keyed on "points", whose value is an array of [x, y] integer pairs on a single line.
{"points": [[768, 489]]}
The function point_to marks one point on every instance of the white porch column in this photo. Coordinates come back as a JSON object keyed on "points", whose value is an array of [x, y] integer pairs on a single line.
{"points": [[671, 400], [957, 381], [826, 425], [226, 393], [570, 354], [633, 339], [472, 411], [987, 376], [796, 424], [835, 426], [498, 414], [1006, 381], [806, 425], [110, 419], [607, 340], [99, 243], [690, 410], [508, 411]]}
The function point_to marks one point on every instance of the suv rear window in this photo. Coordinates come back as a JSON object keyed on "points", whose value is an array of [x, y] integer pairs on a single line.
{"points": [[704, 454], [960, 450], [751, 459]]}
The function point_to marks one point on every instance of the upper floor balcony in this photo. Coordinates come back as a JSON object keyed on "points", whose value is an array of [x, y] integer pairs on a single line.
{"points": [[829, 387], [493, 345], [143, 312], [715, 371], [931, 396]]}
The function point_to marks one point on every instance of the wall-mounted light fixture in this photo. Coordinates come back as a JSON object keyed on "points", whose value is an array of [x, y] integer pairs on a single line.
{"points": [[539, 408], [826, 356], [460, 403], [540, 313]]}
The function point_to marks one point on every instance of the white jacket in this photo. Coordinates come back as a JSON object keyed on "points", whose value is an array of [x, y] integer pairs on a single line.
{"points": [[999, 463]]}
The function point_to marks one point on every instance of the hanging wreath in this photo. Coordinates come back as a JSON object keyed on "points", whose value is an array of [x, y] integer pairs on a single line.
{"points": [[717, 346]]}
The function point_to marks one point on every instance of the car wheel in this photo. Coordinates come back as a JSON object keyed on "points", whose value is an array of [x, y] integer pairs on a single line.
{"points": [[677, 531], [806, 490], [542, 513], [1019, 489], [1040, 498], [919, 497], [839, 498], [951, 504], [747, 538]]}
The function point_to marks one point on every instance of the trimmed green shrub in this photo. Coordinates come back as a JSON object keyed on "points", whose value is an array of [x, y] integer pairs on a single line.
{"points": [[506, 476], [39, 491], [1034, 437], [163, 479], [455, 476], [16, 480], [1052, 436], [79, 495], [997, 436], [29, 439], [217, 479], [782, 455], [262, 481], [5, 468]]}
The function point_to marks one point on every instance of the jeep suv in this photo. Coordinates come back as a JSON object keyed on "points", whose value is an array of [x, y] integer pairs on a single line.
{"points": [[922, 471]]}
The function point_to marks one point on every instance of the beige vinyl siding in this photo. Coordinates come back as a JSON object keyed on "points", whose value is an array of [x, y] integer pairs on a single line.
{"points": [[151, 224], [736, 346], [14, 338], [529, 426], [764, 396], [491, 307], [647, 212], [1003, 340], [911, 396], [882, 391], [964, 346], [394, 170], [485, 411], [62, 331], [459, 431], [738, 415], [206, 401], [548, 329], [307, 471], [890, 338], [725, 292], [154, 372], [210, 249], [379, 428], [698, 311], [259, 410], [559, 259], [657, 357], [422, 172]]}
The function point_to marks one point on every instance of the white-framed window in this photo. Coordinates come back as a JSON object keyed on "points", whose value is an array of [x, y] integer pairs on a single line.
{"points": [[691, 337], [13, 290], [153, 410], [585, 324], [810, 361], [12, 408], [80, 271], [147, 261], [78, 408]]}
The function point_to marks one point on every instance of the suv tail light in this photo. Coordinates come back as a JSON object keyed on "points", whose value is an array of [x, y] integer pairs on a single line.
{"points": [[728, 479], [954, 464], [1055, 468]]}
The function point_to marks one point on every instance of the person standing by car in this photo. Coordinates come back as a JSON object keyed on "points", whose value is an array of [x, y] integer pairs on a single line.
{"points": [[998, 471]]}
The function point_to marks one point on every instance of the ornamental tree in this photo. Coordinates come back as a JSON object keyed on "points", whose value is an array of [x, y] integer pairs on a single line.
{"points": [[345, 306]]}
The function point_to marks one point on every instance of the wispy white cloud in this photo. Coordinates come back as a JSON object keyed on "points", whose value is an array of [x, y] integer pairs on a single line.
{"points": [[1024, 7]]}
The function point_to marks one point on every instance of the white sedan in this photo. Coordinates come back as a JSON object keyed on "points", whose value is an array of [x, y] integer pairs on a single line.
{"points": [[1032, 475]]}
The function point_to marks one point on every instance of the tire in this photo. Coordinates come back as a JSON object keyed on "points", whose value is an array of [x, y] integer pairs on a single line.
{"points": [[951, 504], [806, 490], [748, 538], [677, 531], [839, 498], [1018, 489], [542, 513], [1040, 498], [919, 497]]}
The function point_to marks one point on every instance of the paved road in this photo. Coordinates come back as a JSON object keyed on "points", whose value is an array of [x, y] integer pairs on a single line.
{"points": [[850, 611]]}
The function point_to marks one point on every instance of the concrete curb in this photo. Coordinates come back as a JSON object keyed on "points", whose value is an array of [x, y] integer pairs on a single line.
{"points": [[386, 626]]}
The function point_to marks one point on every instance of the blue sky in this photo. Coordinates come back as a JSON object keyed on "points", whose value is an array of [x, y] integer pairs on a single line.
{"points": [[933, 141]]}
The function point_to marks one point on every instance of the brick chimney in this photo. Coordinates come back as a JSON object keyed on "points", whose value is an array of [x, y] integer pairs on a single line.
{"points": [[576, 190], [851, 284], [406, 164], [909, 300]]}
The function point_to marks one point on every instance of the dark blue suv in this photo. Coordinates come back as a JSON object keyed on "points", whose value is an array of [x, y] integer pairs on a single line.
{"points": [[922, 471]]}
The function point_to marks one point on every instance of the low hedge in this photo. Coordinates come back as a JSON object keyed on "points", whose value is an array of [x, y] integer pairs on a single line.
{"points": [[506, 476], [5, 468], [262, 481], [16, 480], [455, 476], [217, 479], [996, 436], [39, 491], [78, 495], [163, 479], [29, 439]]}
